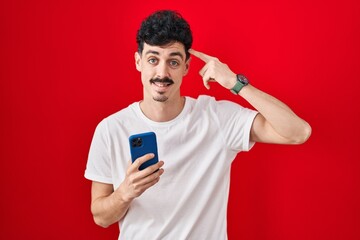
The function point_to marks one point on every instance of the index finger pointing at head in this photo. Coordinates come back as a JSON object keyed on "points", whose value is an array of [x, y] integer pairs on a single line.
{"points": [[200, 55]]}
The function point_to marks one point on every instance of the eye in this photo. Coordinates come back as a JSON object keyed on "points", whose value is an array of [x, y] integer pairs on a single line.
{"points": [[174, 63], [152, 60]]}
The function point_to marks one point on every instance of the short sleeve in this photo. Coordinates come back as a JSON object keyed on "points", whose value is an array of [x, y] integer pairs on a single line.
{"points": [[235, 123], [98, 166]]}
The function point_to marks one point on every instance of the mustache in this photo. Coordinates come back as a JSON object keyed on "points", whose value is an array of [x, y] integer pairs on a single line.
{"points": [[162, 80]]}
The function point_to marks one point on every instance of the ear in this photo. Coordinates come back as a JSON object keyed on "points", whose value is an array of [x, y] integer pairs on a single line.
{"points": [[187, 66], [137, 61]]}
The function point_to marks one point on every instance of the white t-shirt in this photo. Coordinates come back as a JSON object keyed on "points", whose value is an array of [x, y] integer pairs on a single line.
{"points": [[198, 146]]}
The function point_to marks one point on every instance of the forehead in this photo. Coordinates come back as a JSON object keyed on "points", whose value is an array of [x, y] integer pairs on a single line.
{"points": [[171, 49]]}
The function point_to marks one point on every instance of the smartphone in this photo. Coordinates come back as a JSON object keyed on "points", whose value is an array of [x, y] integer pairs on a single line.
{"points": [[141, 144]]}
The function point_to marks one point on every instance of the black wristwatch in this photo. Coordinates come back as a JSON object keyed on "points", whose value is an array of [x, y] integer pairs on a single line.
{"points": [[241, 81]]}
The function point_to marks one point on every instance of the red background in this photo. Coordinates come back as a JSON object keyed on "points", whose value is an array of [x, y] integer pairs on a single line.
{"points": [[65, 65]]}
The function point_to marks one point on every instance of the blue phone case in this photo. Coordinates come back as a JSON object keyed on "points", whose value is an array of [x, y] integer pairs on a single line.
{"points": [[141, 144]]}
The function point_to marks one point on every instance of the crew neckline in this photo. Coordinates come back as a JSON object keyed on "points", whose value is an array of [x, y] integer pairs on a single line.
{"points": [[164, 124]]}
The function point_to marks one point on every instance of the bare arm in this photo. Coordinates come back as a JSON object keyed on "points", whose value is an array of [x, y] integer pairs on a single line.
{"points": [[109, 206], [275, 123], [105, 206]]}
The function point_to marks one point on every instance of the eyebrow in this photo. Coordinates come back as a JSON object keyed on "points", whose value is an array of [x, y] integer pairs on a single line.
{"points": [[152, 52], [171, 54]]}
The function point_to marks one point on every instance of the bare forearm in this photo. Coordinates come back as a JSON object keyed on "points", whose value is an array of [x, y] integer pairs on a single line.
{"points": [[279, 116], [109, 209]]}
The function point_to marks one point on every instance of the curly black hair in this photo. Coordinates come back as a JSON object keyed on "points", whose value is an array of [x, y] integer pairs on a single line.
{"points": [[164, 27]]}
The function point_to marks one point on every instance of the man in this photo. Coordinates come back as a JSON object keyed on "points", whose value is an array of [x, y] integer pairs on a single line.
{"points": [[197, 140]]}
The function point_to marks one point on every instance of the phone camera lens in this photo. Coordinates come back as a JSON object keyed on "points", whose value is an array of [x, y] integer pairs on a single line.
{"points": [[137, 142]]}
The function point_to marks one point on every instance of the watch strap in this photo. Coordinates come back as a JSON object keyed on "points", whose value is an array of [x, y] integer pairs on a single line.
{"points": [[241, 81]]}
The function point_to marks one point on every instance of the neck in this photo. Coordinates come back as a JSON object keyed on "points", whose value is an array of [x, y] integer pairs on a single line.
{"points": [[162, 111]]}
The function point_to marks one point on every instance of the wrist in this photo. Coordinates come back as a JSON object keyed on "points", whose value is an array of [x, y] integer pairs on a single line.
{"points": [[245, 90], [120, 195], [232, 82], [241, 82]]}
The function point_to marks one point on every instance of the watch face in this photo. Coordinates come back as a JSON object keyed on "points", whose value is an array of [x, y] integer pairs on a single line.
{"points": [[242, 79]]}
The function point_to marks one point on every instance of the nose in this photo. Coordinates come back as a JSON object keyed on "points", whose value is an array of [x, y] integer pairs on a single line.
{"points": [[162, 70]]}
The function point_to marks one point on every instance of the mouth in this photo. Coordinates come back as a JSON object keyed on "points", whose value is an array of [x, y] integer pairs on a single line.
{"points": [[161, 84]]}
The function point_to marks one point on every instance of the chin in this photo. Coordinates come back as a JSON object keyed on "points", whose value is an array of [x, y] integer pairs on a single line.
{"points": [[160, 98]]}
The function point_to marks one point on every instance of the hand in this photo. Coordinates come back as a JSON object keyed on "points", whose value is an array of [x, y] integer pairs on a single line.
{"points": [[136, 182], [215, 71]]}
